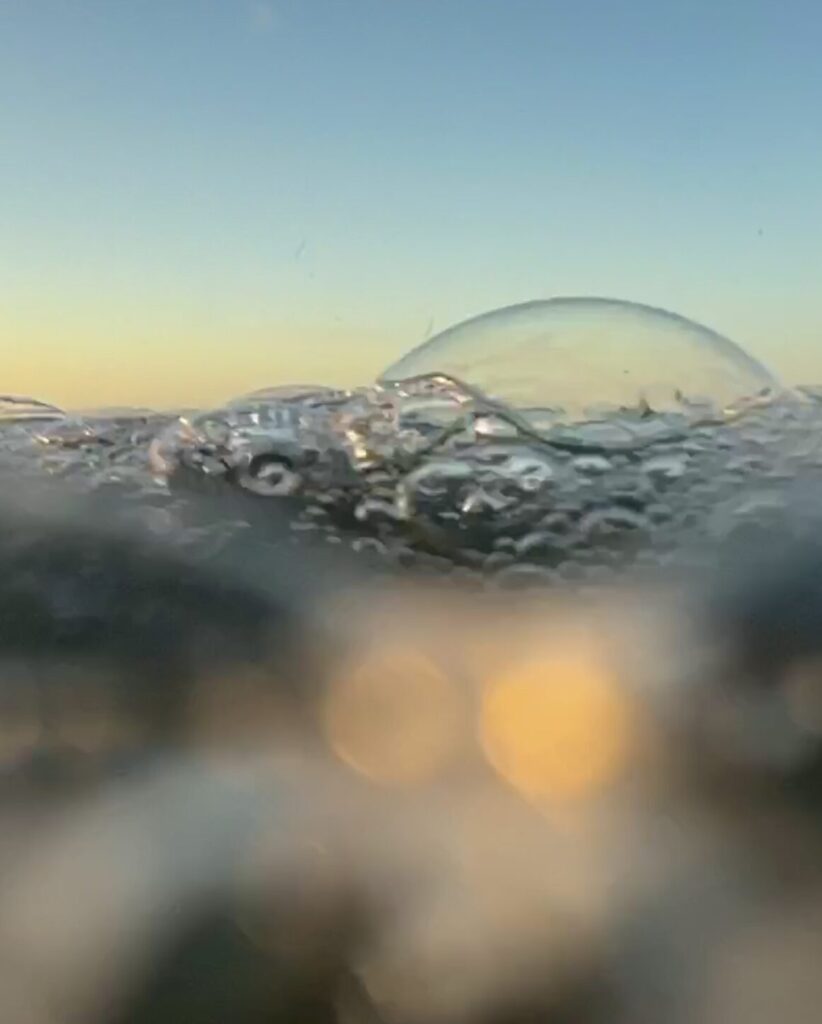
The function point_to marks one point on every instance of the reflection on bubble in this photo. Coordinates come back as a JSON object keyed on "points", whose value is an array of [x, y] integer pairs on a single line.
{"points": [[556, 728], [303, 394], [584, 356], [395, 717]]}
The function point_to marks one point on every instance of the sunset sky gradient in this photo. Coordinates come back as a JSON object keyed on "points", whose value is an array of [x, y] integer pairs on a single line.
{"points": [[201, 197]]}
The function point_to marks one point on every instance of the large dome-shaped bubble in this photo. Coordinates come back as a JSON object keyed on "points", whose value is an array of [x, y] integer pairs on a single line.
{"points": [[578, 357]]}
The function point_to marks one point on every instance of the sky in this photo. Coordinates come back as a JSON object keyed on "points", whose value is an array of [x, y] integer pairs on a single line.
{"points": [[203, 197]]}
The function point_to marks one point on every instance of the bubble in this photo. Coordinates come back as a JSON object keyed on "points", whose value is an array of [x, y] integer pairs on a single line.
{"points": [[441, 484], [495, 428], [663, 469], [380, 424], [366, 426], [264, 441], [377, 512], [592, 465], [269, 477], [528, 471], [489, 489], [17, 409], [543, 546], [612, 526], [70, 432], [581, 359]]}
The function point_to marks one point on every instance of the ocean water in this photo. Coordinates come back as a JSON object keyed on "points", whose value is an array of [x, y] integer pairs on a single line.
{"points": [[552, 441], [485, 693], [430, 475]]}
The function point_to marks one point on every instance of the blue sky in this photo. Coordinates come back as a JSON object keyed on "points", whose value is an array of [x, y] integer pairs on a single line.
{"points": [[203, 196]]}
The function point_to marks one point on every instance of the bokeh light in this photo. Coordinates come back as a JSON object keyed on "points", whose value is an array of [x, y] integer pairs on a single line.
{"points": [[557, 728], [395, 717]]}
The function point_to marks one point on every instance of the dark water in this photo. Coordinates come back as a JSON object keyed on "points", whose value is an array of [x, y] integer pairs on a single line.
{"points": [[400, 705]]}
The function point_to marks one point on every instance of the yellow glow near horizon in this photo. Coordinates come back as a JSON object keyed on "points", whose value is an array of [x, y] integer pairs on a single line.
{"points": [[179, 364], [163, 355]]}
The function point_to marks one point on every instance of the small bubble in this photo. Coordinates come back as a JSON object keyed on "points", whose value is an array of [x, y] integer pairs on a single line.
{"points": [[529, 472], [557, 522], [495, 427], [434, 485], [376, 511], [269, 477], [369, 544], [611, 525], [591, 465], [482, 501], [662, 469], [543, 546]]}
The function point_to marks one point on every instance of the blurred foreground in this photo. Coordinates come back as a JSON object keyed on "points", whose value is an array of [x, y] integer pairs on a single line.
{"points": [[254, 793]]}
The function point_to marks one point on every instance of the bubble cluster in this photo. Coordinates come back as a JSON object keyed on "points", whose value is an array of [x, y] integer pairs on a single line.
{"points": [[558, 441]]}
